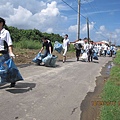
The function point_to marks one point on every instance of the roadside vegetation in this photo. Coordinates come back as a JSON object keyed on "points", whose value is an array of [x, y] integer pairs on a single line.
{"points": [[27, 43], [30, 44], [32, 38], [110, 109]]}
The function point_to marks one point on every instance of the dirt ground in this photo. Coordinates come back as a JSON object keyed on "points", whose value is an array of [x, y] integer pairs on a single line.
{"points": [[25, 56]]}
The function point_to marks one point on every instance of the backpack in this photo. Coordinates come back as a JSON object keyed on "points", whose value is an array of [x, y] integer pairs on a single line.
{"points": [[78, 46]]}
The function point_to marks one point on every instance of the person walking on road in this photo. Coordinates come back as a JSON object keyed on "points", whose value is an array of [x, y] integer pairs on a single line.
{"points": [[66, 44], [11, 73], [111, 51], [90, 52], [105, 49], [78, 46]]}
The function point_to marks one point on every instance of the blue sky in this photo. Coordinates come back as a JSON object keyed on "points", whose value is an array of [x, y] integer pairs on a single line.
{"points": [[60, 16]]}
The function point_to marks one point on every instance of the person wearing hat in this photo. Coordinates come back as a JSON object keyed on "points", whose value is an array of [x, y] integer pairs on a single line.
{"points": [[66, 43], [6, 52]]}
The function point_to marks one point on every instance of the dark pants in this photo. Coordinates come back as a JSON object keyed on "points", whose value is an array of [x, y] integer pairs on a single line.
{"points": [[46, 53], [78, 53], [90, 55], [105, 52], [111, 53]]}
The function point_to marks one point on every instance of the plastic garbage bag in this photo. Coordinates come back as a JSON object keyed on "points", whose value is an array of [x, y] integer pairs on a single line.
{"points": [[50, 60], [108, 52], [53, 61], [114, 52], [35, 60], [9, 72], [58, 46], [47, 60], [38, 58], [84, 56], [95, 56]]}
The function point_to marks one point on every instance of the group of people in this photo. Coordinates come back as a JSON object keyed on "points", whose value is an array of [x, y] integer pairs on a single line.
{"points": [[6, 54], [81, 47], [91, 49], [6, 50], [48, 48]]}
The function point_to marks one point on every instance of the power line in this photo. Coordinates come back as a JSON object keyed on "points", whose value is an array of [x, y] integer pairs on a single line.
{"points": [[97, 30], [92, 19], [74, 9], [83, 17], [69, 5]]}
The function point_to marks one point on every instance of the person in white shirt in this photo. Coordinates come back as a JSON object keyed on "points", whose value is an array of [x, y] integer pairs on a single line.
{"points": [[105, 49], [66, 43], [6, 53], [90, 52], [86, 45], [78, 46]]}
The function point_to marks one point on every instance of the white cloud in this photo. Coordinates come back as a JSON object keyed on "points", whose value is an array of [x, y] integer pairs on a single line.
{"points": [[115, 36], [99, 32], [102, 28], [20, 14], [49, 30], [51, 10], [23, 16], [117, 30], [86, 1], [72, 28], [84, 27], [6, 9], [51, 16]]}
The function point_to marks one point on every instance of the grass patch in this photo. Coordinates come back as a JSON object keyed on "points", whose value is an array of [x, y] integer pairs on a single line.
{"points": [[30, 44], [111, 93], [27, 44]]}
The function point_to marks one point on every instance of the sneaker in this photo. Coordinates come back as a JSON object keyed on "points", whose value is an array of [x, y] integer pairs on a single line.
{"points": [[42, 64], [12, 84]]}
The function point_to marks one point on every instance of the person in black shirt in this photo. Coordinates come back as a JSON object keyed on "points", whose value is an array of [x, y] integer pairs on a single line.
{"points": [[48, 47]]}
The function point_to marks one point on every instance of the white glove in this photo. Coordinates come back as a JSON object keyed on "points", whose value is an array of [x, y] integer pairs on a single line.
{"points": [[12, 55]]}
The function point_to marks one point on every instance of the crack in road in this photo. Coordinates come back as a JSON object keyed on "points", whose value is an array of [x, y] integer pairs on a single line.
{"points": [[74, 110]]}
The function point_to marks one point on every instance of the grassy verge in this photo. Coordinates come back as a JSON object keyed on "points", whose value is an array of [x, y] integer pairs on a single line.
{"points": [[25, 44], [111, 93], [30, 44]]}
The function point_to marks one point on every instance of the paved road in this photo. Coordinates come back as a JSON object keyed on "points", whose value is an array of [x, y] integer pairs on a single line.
{"points": [[50, 93]]}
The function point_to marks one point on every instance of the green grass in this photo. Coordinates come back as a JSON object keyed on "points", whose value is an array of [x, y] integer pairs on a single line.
{"points": [[111, 93], [27, 44], [71, 48], [117, 59], [30, 44]]}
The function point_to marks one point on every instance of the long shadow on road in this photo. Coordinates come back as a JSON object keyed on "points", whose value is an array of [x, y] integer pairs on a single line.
{"points": [[19, 88]]}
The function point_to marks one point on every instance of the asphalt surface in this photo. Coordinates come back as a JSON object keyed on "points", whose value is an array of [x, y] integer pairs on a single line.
{"points": [[50, 93]]}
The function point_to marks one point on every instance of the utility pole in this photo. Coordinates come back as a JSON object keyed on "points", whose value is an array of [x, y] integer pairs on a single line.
{"points": [[78, 21], [110, 42], [88, 30]]}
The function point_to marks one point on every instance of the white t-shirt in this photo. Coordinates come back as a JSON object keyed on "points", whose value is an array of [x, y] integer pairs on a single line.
{"points": [[65, 43], [90, 46], [105, 47], [5, 36], [86, 46]]}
